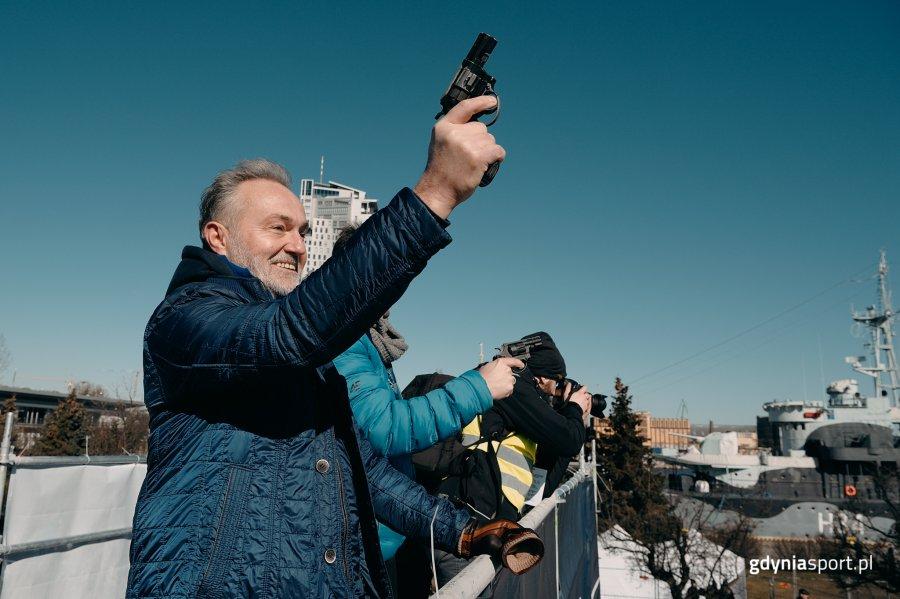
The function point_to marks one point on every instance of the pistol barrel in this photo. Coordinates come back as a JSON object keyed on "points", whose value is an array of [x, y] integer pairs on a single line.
{"points": [[481, 49]]}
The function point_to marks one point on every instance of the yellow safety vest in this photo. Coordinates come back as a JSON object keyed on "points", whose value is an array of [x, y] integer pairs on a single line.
{"points": [[515, 456]]}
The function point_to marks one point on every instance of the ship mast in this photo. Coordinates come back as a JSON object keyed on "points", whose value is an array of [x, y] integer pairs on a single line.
{"points": [[878, 319]]}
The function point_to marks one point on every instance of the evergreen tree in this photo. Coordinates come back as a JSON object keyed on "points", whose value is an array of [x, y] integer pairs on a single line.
{"points": [[665, 544], [633, 496], [64, 429]]}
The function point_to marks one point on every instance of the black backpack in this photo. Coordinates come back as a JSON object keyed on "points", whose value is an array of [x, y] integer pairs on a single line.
{"points": [[433, 464], [468, 477]]}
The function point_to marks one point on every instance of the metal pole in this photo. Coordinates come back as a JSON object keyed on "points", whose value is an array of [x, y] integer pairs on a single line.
{"points": [[4, 461], [62, 544], [594, 463], [556, 546], [596, 509], [4, 452]]}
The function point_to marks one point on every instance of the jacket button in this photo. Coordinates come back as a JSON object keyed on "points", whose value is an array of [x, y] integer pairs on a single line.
{"points": [[322, 467], [330, 556]]}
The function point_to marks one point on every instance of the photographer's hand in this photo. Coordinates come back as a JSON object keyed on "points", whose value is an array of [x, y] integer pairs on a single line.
{"points": [[582, 398], [460, 151], [499, 377]]}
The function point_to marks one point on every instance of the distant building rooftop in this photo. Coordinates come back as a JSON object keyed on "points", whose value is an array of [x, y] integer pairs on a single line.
{"points": [[26, 394], [33, 405]]}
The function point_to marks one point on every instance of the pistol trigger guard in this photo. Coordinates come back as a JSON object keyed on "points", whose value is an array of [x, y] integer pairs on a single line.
{"points": [[496, 111]]}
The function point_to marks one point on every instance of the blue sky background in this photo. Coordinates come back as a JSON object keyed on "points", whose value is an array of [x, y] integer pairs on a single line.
{"points": [[676, 173]]}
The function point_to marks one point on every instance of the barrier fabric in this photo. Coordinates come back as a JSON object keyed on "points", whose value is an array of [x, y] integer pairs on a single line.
{"points": [[575, 524], [61, 501]]}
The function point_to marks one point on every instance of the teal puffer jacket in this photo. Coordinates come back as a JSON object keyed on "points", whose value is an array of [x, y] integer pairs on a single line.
{"points": [[397, 427]]}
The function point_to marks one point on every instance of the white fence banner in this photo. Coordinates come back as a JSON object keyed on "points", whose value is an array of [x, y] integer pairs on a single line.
{"points": [[47, 503], [95, 571]]}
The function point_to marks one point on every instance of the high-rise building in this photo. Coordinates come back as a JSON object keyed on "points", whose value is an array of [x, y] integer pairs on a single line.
{"points": [[330, 207]]}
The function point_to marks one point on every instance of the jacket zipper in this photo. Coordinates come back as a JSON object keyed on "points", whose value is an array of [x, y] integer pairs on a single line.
{"points": [[217, 534], [338, 467]]}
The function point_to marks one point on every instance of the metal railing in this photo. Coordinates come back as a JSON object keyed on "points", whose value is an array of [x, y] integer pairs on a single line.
{"points": [[480, 574], [28, 549]]}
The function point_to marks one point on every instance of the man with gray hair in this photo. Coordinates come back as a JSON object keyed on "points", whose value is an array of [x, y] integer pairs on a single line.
{"points": [[258, 483]]}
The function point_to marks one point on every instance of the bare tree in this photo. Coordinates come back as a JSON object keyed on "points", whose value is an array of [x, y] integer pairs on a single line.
{"points": [[123, 431], [679, 547], [88, 389], [697, 560], [129, 386], [125, 428], [882, 549]]}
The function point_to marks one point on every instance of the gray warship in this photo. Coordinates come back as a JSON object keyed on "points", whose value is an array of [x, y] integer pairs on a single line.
{"points": [[819, 459]]}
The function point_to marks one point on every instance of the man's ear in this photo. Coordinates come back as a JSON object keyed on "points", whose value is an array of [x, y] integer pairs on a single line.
{"points": [[215, 234]]}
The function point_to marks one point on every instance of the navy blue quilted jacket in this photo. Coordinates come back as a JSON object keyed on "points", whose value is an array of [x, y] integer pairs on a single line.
{"points": [[258, 483]]}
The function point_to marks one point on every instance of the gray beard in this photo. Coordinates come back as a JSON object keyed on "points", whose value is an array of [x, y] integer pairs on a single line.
{"points": [[259, 267]]}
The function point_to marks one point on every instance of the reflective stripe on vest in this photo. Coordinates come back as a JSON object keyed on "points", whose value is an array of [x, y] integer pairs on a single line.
{"points": [[515, 457]]}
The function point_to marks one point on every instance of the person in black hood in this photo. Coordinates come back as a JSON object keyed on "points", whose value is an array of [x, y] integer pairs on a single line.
{"points": [[526, 422], [559, 435], [502, 450]]}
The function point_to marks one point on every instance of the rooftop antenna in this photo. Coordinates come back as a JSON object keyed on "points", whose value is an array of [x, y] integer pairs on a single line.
{"points": [[821, 363], [803, 377], [134, 385], [322, 170], [682, 409]]}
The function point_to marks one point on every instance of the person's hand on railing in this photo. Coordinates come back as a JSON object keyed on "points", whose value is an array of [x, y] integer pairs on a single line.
{"points": [[520, 549]]}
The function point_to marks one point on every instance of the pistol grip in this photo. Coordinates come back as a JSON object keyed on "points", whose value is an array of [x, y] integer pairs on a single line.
{"points": [[489, 174]]}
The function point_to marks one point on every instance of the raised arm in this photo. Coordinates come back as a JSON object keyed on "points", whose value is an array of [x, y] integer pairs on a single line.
{"points": [[218, 335], [205, 325]]}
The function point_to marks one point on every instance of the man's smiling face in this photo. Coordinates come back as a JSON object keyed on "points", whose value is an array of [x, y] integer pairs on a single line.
{"points": [[264, 232]]}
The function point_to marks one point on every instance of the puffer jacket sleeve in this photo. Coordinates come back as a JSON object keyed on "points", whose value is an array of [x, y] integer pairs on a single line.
{"points": [[218, 335], [397, 426], [405, 506]]}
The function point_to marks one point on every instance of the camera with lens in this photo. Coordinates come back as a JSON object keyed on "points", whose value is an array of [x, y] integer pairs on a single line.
{"points": [[598, 400]]}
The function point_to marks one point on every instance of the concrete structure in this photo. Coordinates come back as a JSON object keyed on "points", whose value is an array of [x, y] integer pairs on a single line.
{"points": [[330, 207]]}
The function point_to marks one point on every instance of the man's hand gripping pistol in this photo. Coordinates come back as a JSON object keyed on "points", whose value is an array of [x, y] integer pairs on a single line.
{"points": [[472, 80]]}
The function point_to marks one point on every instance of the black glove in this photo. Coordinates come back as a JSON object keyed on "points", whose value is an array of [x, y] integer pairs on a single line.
{"points": [[520, 549]]}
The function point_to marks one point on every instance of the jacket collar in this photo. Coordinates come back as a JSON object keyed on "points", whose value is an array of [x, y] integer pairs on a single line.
{"points": [[198, 264]]}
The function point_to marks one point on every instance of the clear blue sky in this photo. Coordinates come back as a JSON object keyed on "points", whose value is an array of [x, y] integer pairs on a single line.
{"points": [[676, 173]]}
